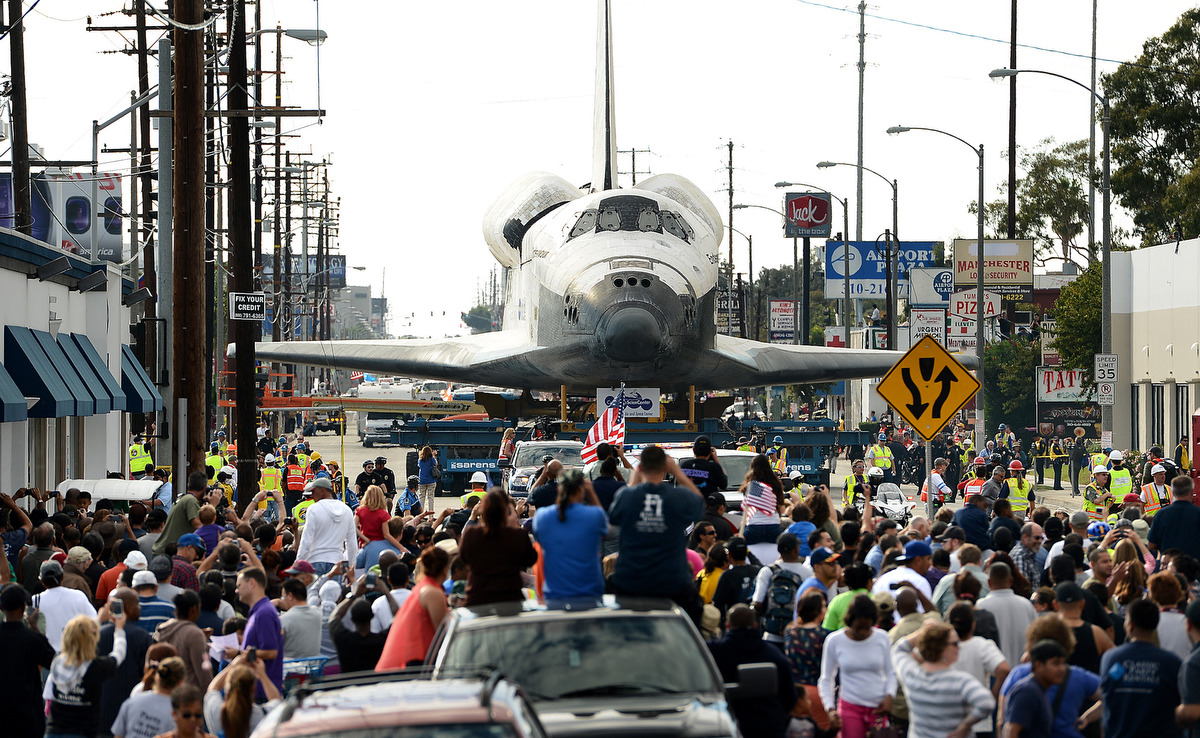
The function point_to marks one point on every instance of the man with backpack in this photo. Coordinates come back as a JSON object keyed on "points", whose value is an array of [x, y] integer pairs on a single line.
{"points": [[776, 587], [736, 584]]}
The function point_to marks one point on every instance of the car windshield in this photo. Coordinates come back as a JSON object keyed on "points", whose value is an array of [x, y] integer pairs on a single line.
{"points": [[577, 657], [532, 455], [736, 468], [424, 731]]}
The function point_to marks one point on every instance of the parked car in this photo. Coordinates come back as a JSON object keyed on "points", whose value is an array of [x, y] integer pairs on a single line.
{"points": [[611, 667], [368, 705], [526, 463]]}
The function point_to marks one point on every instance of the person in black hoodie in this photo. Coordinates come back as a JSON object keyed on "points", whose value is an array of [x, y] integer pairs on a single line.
{"points": [[743, 644], [26, 650], [77, 676], [130, 672]]}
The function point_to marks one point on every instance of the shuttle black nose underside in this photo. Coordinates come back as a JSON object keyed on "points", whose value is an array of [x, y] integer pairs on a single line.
{"points": [[632, 334]]}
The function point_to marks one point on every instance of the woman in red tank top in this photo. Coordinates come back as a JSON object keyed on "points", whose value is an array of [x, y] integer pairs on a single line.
{"points": [[418, 618]]}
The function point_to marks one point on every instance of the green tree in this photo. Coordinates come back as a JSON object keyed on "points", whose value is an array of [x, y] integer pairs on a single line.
{"points": [[1078, 318], [1052, 202], [1155, 103], [1010, 395]]}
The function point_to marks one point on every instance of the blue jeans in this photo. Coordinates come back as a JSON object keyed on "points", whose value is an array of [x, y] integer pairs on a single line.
{"points": [[322, 567]]}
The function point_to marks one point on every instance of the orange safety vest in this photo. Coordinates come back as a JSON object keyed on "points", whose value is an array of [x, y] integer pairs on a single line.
{"points": [[1153, 501], [295, 478], [973, 487]]}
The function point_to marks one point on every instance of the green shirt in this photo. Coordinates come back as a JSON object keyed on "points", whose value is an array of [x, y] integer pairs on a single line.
{"points": [[835, 614], [179, 521]]}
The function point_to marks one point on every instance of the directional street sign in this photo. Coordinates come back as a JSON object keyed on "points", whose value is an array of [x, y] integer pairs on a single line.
{"points": [[247, 306], [1106, 393], [927, 387], [963, 304]]}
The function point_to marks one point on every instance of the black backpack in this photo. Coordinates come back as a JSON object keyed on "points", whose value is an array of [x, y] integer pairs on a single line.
{"points": [[781, 599]]}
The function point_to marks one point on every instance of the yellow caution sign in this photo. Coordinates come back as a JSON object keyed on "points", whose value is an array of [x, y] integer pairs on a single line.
{"points": [[927, 387]]}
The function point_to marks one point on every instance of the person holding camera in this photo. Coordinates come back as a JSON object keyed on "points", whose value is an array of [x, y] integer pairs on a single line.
{"points": [[229, 702], [704, 469], [358, 648]]}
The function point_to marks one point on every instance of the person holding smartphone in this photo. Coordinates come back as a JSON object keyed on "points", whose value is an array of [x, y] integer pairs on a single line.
{"points": [[704, 469]]}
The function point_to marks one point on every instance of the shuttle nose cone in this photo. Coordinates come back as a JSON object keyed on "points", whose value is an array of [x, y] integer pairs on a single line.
{"points": [[632, 335]]}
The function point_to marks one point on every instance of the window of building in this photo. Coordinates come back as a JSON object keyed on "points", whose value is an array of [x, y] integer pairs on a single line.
{"points": [[1135, 396], [1183, 414], [1158, 415]]}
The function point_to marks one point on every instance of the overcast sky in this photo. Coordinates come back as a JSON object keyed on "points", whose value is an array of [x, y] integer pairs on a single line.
{"points": [[433, 108]]}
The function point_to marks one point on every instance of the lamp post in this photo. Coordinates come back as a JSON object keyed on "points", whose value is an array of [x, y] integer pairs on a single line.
{"points": [[795, 275], [750, 283], [891, 329], [981, 425], [1106, 411]]}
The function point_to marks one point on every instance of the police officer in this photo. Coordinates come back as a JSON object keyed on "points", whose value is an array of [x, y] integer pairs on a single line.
{"points": [[1077, 452], [140, 460], [386, 476], [855, 484], [1040, 451], [366, 478], [1058, 456], [880, 455]]}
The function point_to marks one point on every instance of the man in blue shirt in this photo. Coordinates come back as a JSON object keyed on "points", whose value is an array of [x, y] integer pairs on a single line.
{"points": [[973, 519], [827, 569], [1140, 681], [1188, 712], [1175, 525], [654, 518], [1027, 709], [264, 629]]}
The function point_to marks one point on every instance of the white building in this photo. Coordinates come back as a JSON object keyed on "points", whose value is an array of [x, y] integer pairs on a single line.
{"points": [[68, 380]]}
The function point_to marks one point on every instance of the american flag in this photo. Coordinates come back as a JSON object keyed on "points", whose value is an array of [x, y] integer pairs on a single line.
{"points": [[760, 498], [356, 376], [610, 428]]}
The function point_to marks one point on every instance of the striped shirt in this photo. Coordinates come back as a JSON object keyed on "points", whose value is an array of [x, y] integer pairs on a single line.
{"points": [[155, 611], [938, 701]]}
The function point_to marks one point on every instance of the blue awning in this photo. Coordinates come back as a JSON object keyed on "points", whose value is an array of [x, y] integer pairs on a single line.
{"points": [[113, 387], [87, 374], [13, 408], [85, 402], [141, 395], [34, 374]]}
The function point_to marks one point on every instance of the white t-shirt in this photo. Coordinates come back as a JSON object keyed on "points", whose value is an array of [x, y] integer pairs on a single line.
{"points": [[762, 584], [59, 605], [979, 657], [381, 617], [863, 668], [902, 574]]}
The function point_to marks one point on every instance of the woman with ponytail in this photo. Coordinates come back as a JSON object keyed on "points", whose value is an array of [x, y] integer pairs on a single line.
{"points": [[229, 706], [570, 534], [148, 714]]}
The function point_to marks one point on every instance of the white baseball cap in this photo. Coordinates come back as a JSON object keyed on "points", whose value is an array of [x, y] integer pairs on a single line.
{"points": [[135, 560], [144, 579]]}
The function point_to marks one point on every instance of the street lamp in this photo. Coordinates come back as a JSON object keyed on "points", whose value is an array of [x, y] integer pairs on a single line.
{"points": [[845, 250], [750, 283], [981, 429], [795, 275], [893, 286], [1106, 411]]}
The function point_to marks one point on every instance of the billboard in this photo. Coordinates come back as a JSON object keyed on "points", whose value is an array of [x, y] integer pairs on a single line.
{"points": [[1068, 419], [867, 265], [1007, 267], [808, 215], [1060, 385], [78, 213], [1050, 355], [640, 402], [928, 322], [930, 286], [729, 307], [782, 321]]}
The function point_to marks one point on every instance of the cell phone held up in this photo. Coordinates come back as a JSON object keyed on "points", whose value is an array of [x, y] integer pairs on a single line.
{"points": [[371, 580], [116, 608], [251, 655]]}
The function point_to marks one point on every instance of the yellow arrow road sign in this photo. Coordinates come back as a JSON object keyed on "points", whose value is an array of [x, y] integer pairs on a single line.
{"points": [[927, 387]]}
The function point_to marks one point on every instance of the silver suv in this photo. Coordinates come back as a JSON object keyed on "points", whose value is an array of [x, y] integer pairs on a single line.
{"points": [[527, 462]]}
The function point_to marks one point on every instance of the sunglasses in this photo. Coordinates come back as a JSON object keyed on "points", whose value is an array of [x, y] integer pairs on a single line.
{"points": [[708, 532], [423, 541], [191, 715]]}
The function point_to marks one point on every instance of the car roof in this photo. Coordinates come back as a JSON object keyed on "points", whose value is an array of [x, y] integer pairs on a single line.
{"points": [[397, 699], [607, 606], [550, 443]]}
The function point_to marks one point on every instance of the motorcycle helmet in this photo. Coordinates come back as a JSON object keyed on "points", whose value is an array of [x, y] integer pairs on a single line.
{"points": [[875, 473], [1016, 466]]}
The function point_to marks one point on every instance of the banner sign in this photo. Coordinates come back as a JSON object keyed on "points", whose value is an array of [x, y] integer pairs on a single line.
{"points": [[1050, 355], [931, 286], [960, 335], [1068, 419], [782, 321], [1060, 385], [807, 215], [928, 322], [1007, 267], [868, 267], [729, 307], [640, 402]]}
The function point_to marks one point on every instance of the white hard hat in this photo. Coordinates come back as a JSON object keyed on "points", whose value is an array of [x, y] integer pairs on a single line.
{"points": [[875, 472], [1116, 456], [795, 474], [1158, 468], [270, 458], [1100, 469], [479, 478]]}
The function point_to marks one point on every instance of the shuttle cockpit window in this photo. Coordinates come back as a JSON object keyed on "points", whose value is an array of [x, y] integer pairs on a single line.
{"points": [[631, 213]]}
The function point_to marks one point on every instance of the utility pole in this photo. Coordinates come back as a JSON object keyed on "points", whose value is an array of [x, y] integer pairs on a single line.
{"points": [[22, 189], [171, 422], [1091, 147], [212, 255], [149, 272], [189, 339], [1012, 130], [807, 289], [242, 245], [862, 68], [729, 325]]}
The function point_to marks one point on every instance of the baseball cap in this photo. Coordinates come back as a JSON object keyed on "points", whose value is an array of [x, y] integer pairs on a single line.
{"points": [[144, 579], [1123, 523], [1142, 528], [702, 446], [300, 567], [737, 547], [161, 567], [915, 550], [1131, 497], [772, 452], [51, 571], [954, 531], [1068, 592], [135, 560], [449, 545], [820, 556], [1079, 519], [321, 483], [884, 601], [716, 499], [78, 555], [191, 539]]}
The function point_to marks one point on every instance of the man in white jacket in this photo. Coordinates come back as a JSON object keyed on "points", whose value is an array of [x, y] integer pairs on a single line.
{"points": [[329, 533]]}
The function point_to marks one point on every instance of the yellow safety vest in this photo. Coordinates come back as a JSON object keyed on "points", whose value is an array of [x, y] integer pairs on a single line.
{"points": [[214, 462], [852, 484], [300, 511], [1095, 510], [1018, 494], [139, 459], [272, 480], [779, 467], [1001, 439], [477, 493], [885, 461], [746, 447], [1122, 483], [302, 460], [782, 455], [1098, 460], [1153, 501], [1185, 462]]}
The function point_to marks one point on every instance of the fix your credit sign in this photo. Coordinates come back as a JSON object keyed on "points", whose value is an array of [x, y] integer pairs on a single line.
{"points": [[868, 267]]}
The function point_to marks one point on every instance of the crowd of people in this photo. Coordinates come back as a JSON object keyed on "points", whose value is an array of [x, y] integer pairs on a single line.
{"points": [[180, 616]]}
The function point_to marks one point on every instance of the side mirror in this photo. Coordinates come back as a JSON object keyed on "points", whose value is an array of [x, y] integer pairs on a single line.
{"points": [[503, 463], [755, 681]]}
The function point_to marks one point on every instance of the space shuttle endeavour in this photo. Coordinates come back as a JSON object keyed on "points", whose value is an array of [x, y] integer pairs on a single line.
{"points": [[604, 285]]}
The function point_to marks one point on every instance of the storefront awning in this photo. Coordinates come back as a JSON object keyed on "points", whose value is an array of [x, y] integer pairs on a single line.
{"points": [[87, 374], [141, 395], [85, 402], [34, 374], [13, 408], [111, 385]]}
